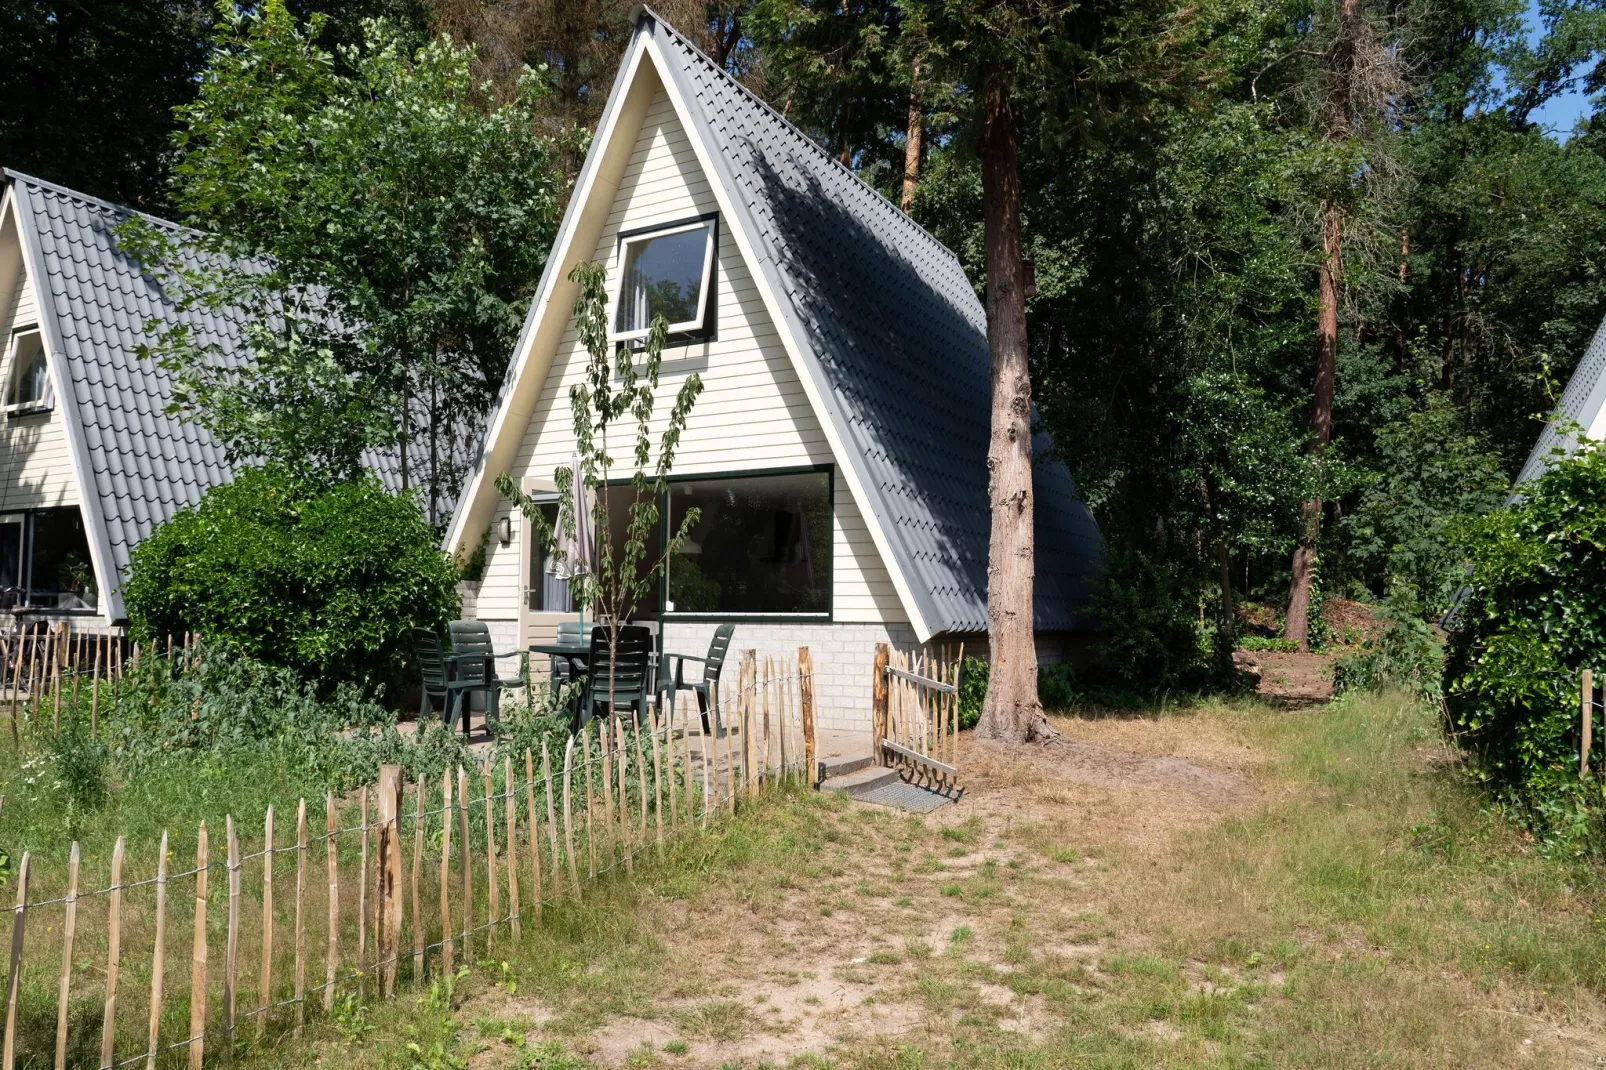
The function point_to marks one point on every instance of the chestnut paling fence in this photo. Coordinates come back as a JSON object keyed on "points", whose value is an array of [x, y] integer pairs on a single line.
{"points": [[41, 664], [170, 963]]}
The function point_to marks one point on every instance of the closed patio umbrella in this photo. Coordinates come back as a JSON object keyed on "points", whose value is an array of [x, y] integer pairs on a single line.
{"points": [[577, 556]]}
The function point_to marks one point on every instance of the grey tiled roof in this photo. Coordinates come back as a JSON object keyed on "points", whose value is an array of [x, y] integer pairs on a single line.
{"points": [[1580, 404], [145, 464], [898, 343]]}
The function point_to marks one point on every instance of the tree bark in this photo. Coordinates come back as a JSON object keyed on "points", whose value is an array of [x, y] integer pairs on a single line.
{"points": [[1011, 712], [914, 138], [1296, 626], [845, 153], [1340, 109]]}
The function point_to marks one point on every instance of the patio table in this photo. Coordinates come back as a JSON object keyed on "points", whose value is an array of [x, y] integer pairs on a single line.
{"points": [[573, 653]]}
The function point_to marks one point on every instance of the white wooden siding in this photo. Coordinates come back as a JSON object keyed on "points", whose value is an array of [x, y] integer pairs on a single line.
{"points": [[752, 414], [35, 469]]}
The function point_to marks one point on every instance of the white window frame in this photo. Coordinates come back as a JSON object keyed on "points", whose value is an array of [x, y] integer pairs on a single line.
{"points": [[13, 371], [621, 256]]}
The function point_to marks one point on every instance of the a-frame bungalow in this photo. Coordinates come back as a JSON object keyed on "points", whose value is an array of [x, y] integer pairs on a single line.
{"points": [[838, 451]]}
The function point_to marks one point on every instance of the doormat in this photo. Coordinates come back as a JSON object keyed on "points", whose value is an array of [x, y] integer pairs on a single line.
{"points": [[911, 797]]}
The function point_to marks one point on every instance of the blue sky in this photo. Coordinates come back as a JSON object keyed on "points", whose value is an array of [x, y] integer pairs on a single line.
{"points": [[1560, 113]]}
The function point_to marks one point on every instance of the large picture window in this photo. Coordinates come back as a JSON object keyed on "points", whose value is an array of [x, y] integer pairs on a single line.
{"points": [[44, 561], [762, 545], [665, 272]]}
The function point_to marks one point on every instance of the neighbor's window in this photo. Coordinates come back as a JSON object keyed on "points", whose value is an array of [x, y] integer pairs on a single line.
{"points": [[666, 272], [548, 592], [28, 378], [60, 575], [44, 561], [761, 545], [12, 578]]}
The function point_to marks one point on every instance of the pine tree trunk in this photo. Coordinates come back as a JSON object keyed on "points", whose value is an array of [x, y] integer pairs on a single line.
{"points": [[1297, 622], [914, 138], [1011, 712], [1340, 110]]}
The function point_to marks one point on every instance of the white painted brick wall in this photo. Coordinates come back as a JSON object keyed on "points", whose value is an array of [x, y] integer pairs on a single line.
{"points": [[843, 655]]}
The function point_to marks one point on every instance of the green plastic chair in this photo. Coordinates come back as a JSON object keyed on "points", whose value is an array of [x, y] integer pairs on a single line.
{"points": [[674, 679], [474, 662], [632, 682], [438, 679]]}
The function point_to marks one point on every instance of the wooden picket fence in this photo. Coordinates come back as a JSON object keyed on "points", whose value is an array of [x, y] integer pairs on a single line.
{"points": [[501, 853], [43, 663], [914, 718]]}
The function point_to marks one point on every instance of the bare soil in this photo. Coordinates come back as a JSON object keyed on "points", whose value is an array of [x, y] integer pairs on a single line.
{"points": [[1293, 680], [923, 931]]}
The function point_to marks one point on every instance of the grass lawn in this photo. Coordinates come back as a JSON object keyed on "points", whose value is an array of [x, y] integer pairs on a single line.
{"points": [[1228, 885]]}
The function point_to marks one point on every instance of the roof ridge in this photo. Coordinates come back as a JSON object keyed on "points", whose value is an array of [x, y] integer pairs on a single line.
{"points": [[796, 130], [99, 202]]}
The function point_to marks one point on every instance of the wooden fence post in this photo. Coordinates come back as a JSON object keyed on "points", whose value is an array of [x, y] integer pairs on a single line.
{"points": [[466, 871], [114, 953], [657, 780], [511, 834], [605, 755], [197, 1038], [669, 766], [266, 989], [301, 915], [591, 837], [388, 934], [8, 1058], [641, 782], [805, 694], [331, 865], [69, 925], [493, 905], [418, 869], [552, 820], [231, 946], [362, 892], [878, 704], [534, 821], [783, 716], [624, 793], [158, 958], [568, 816], [1586, 727], [446, 872]]}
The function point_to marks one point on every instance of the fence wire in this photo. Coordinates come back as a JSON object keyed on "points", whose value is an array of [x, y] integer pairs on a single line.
{"points": [[757, 740]]}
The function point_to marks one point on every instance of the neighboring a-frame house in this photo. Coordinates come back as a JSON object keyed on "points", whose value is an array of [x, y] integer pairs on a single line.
{"points": [[838, 451], [1582, 405], [91, 460]]}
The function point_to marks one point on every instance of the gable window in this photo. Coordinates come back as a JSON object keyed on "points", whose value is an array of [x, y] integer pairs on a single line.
{"points": [[666, 271], [30, 383], [761, 545]]}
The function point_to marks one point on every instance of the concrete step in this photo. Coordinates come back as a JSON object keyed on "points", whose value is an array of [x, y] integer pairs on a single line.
{"points": [[860, 781], [844, 766]]}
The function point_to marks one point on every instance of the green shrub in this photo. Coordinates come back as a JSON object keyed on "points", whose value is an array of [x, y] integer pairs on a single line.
{"points": [[1255, 643], [1406, 655], [1531, 617], [1056, 689], [1148, 630], [324, 580], [972, 691]]}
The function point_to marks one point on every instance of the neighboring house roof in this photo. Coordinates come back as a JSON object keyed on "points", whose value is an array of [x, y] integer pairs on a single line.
{"points": [[137, 463], [891, 337], [1580, 407]]}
